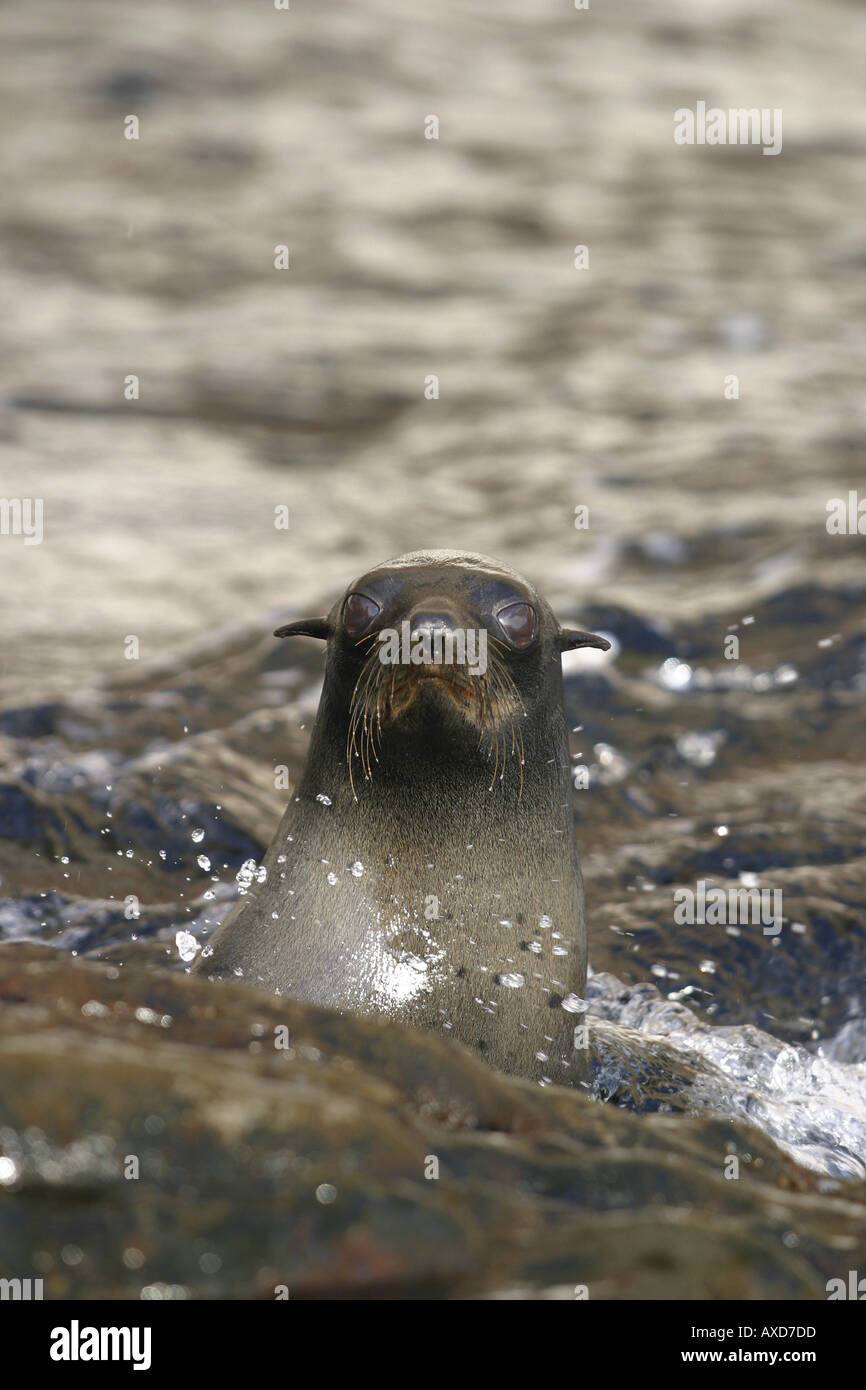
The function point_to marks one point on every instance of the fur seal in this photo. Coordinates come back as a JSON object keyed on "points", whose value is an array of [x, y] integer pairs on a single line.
{"points": [[426, 866]]}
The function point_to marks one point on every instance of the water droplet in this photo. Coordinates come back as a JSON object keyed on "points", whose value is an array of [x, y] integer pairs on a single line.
{"points": [[785, 1070], [675, 674], [187, 946], [700, 749], [612, 766], [573, 1004], [248, 873], [8, 1171]]}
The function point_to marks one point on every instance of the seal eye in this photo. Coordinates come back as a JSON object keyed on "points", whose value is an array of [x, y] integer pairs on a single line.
{"points": [[519, 623], [358, 613]]}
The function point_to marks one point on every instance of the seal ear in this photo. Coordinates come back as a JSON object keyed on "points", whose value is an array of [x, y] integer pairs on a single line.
{"points": [[306, 627], [571, 637]]}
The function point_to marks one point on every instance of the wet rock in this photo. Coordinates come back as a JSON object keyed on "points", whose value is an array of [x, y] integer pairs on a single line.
{"points": [[308, 1166]]}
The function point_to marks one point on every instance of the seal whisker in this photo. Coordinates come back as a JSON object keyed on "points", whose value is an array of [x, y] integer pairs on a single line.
{"points": [[367, 728], [507, 696], [357, 709], [496, 763], [371, 717]]}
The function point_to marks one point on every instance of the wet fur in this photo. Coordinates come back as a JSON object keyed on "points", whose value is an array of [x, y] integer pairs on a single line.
{"points": [[447, 790]]}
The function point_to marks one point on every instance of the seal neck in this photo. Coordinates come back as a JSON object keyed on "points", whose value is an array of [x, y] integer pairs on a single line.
{"points": [[418, 766]]}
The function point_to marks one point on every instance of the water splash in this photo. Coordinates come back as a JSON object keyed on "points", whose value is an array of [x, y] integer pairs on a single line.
{"points": [[651, 1051]]}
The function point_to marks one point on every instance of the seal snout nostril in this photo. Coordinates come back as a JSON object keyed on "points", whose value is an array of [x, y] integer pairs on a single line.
{"points": [[431, 620]]}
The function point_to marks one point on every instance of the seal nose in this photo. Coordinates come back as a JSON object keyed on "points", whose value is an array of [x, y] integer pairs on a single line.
{"points": [[429, 620], [437, 629]]}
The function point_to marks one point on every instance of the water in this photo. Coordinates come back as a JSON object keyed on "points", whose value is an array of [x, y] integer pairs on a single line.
{"points": [[737, 781]]}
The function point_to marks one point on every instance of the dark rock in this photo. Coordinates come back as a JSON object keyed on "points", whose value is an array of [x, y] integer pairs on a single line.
{"points": [[260, 1167]]}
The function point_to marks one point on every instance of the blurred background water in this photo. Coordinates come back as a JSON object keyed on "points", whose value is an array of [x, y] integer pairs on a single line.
{"points": [[558, 388]]}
